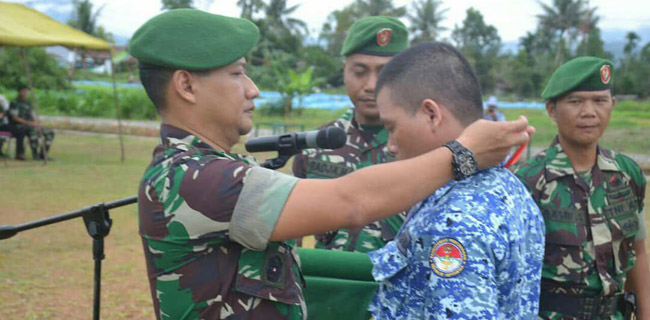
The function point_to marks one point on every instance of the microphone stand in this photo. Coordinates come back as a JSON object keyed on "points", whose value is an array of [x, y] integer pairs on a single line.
{"points": [[287, 147], [98, 224]]}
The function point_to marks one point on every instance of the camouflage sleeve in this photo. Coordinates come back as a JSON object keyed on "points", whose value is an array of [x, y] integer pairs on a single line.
{"points": [[299, 167], [259, 206]]}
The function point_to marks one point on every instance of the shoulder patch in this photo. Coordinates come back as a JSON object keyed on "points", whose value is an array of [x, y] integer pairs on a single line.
{"points": [[448, 257]]}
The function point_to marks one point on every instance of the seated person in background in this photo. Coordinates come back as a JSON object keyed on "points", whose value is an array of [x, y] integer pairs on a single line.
{"points": [[474, 248], [23, 121], [491, 112]]}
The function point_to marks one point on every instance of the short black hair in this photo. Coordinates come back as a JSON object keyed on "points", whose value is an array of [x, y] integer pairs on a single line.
{"points": [[155, 81], [436, 71]]}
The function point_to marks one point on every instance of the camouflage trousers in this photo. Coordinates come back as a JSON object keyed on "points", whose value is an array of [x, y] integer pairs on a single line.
{"points": [[33, 136]]}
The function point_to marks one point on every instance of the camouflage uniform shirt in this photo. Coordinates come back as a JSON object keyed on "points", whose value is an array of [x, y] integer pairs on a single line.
{"points": [[472, 250], [205, 221], [590, 225], [363, 148]]}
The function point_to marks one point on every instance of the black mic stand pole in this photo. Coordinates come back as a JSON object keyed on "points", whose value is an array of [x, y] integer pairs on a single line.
{"points": [[98, 224]]}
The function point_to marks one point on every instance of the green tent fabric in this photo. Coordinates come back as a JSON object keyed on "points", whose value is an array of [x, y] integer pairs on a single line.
{"points": [[339, 284], [21, 26]]}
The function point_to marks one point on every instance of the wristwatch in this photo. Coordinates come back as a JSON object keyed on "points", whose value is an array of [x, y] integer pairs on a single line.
{"points": [[464, 162]]}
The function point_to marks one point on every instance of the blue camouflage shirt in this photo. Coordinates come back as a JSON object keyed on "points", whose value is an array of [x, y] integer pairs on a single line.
{"points": [[472, 250]]}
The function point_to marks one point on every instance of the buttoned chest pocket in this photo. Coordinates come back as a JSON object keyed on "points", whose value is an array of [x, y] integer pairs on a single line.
{"points": [[566, 235], [272, 274], [621, 211]]}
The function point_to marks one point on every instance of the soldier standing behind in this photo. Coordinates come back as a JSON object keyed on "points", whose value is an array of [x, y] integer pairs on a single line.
{"points": [[370, 43], [592, 202]]}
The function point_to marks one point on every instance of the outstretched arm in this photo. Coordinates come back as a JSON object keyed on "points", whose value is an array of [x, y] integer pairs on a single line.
{"points": [[380, 191]]}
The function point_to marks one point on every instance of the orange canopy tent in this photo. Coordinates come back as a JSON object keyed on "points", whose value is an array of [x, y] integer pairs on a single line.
{"points": [[25, 27]]}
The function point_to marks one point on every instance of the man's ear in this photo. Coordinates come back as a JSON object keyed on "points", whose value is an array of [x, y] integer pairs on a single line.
{"points": [[431, 109], [550, 109], [183, 84]]}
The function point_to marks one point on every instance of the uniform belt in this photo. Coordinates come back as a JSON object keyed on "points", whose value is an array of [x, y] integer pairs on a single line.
{"points": [[582, 306]]}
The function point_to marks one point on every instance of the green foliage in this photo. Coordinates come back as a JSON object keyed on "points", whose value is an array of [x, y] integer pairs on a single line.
{"points": [[292, 84], [92, 101], [480, 43], [45, 71], [176, 4], [425, 22]]}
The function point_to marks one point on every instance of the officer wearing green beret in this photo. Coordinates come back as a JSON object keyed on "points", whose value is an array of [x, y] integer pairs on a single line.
{"points": [[213, 223], [592, 202], [370, 43]]}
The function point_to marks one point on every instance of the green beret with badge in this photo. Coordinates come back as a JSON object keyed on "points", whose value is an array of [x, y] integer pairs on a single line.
{"points": [[580, 74], [192, 39], [377, 35]]}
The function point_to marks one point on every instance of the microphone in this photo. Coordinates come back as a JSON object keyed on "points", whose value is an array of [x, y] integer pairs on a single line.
{"points": [[292, 143]]}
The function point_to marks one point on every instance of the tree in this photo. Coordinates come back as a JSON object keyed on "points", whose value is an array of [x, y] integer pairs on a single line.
{"points": [[176, 4], [46, 72], [249, 8], [277, 17], [425, 22], [480, 43], [631, 38], [379, 8], [84, 19], [292, 84], [563, 17]]}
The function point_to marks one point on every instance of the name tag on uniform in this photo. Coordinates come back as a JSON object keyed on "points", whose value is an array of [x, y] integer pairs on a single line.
{"points": [[327, 169]]}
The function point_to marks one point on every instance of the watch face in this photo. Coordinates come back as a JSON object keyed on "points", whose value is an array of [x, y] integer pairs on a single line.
{"points": [[466, 168]]}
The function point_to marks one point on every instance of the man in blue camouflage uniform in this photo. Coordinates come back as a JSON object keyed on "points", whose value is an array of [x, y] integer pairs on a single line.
{"points": [[474, 248], [214, 223]]}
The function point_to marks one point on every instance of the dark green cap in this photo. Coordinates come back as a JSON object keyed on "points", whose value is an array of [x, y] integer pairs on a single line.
{"points": [[21, 85], [379, 36], [193, 40], [580, 74]]}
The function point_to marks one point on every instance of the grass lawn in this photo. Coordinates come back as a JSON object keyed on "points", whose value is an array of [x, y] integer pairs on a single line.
{"points": [[47, 273]]}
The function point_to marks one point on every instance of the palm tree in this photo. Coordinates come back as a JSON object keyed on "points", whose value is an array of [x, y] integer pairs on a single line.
{"points": [[176, 4], [249, 7], [563, 16], [425, 23], [84, 19], [277, 17], [378, 8], [632, 38]]}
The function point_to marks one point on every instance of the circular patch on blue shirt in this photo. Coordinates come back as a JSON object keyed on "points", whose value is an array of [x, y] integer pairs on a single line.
{"points": [[448, 257]]}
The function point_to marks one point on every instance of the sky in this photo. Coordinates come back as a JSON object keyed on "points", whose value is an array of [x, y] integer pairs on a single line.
{"points": [[512, 18]]}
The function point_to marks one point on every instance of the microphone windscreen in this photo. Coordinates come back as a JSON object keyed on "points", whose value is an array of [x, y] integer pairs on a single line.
{"points": [[331, 138]]}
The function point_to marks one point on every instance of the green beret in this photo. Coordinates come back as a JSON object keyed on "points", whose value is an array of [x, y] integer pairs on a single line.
{"points": [[580, 74], [379, 36], [21, 85], [192, 39]]}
